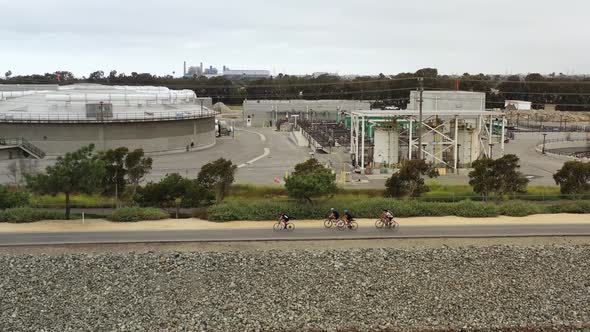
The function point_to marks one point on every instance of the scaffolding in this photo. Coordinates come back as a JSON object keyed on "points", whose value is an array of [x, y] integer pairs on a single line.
{"points": [[440, 123]]}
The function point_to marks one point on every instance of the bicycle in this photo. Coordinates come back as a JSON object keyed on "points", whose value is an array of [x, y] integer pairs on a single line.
{"points": [[282, 224], [351, 225], [384, 222], [329, 222]]}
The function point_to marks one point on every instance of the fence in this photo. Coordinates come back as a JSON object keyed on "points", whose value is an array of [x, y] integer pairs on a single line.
{"points": [[117, 117]]}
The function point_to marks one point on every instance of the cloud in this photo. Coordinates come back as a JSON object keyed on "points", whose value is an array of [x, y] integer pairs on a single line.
{"points": [[348, 36]]}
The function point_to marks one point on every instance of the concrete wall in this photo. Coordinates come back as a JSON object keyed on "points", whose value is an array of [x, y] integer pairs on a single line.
{"points": [[386, 147], [11, 153], [160, 136], [262, 112]]}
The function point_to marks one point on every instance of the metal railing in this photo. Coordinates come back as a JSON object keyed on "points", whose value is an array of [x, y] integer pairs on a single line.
{"points": [[145, 116], [23, 144], [551, 128]]}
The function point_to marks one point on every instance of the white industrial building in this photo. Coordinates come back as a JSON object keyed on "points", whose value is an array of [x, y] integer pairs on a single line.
{"points": [[447, 100], [265, 113], [37, 122], [518, 105]]}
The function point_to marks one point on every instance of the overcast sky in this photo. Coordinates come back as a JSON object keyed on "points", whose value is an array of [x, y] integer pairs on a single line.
{"points": [[296, 36]]}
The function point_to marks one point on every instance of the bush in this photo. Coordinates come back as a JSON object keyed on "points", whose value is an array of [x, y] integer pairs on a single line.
{"points": [[521, 209], [472, 209], [23, 215], [360, 208], [573, 207], [137, 214], [11, 199]]}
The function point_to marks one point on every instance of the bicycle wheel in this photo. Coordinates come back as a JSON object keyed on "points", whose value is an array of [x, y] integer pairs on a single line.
{"points": [[353, 226], [290, 226], [328, 223], [277, 226], [341, 225], [379, 223]]}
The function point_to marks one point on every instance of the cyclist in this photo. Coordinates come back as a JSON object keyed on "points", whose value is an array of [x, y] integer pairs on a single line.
{"points": [[334, 215], [347, 217], [284, 218], [388, 215]]}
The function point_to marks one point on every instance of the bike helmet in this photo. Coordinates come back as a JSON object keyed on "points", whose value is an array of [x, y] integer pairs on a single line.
{"points": [[332, 209], [346, 211]]}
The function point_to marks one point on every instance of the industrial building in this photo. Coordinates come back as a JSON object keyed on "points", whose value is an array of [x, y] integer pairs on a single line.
{"points": [[447, 100], [450, 138], [518, 105], [56, 120], [245, 73], [265, 113]]}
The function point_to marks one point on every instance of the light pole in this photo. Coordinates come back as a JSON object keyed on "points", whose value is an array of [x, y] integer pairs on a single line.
{"points": [[420, 155], [491, 150], [544, 136]]}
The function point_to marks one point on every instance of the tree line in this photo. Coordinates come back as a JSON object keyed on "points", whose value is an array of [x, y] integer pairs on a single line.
{"points": [[569, 93], [120, 171]]}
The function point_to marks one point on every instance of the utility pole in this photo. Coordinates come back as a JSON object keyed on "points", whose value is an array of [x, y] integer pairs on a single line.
{"points": [[544, 136], [420, 155]]}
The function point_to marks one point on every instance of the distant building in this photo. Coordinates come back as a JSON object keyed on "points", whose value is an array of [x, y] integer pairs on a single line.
{"points": [[210, 71], [320, 73], [448, 100], [245, 73], [265, 113], [517, 105]]}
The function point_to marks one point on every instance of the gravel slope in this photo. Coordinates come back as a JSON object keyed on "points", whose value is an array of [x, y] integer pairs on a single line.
{"points": [[362, 289]]}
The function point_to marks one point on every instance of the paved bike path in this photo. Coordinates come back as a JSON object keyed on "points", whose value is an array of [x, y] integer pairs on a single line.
{"points": [[304, 233]]}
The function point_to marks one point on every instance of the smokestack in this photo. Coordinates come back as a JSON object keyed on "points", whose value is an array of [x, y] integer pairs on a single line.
{"points": [[184, 72]]}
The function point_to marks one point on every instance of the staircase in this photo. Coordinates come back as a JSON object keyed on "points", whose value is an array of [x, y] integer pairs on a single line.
{"points": [[24, 145]]}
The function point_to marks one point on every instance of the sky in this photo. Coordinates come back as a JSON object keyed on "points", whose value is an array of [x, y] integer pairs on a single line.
{"points": [[295, 36]]}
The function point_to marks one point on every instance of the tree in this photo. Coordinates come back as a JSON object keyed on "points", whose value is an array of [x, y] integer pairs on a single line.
{"points": [[8, 74], [114, 179], [499, 177], [409, 181], [79, 171], [310, 179], [482, 178], [124, 168], [138, 166], [174, 191], [218, 176], [96, 76], [573, 177]]}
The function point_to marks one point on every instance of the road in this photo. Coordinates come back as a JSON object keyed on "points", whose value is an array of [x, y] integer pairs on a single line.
{"points": [[304, 233]]}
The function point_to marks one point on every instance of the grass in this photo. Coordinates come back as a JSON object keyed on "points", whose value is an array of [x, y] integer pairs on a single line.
{"points": [[249, 192], [76, 200]]}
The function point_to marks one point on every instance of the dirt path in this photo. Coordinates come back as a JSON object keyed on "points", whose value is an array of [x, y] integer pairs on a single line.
{"points": [[98, 225]]}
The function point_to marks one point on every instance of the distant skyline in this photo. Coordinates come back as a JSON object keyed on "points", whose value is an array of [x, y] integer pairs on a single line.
{"points": [[296, 37]]}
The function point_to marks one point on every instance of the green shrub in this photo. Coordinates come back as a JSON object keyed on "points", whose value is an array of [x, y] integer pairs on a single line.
{"points": [[521, 209], [137, 214], [570, 207], [472, 209], [11, 199], [25, 214], [360, 208]]}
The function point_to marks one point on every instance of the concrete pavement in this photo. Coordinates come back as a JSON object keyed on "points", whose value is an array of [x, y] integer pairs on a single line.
{"points": [[192, 230]]}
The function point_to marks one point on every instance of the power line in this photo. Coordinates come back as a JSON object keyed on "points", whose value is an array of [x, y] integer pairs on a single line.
{"points": [[451, 80]]}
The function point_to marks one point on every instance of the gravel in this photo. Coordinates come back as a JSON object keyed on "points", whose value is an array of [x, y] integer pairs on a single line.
{"points": [[447, 289]]}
